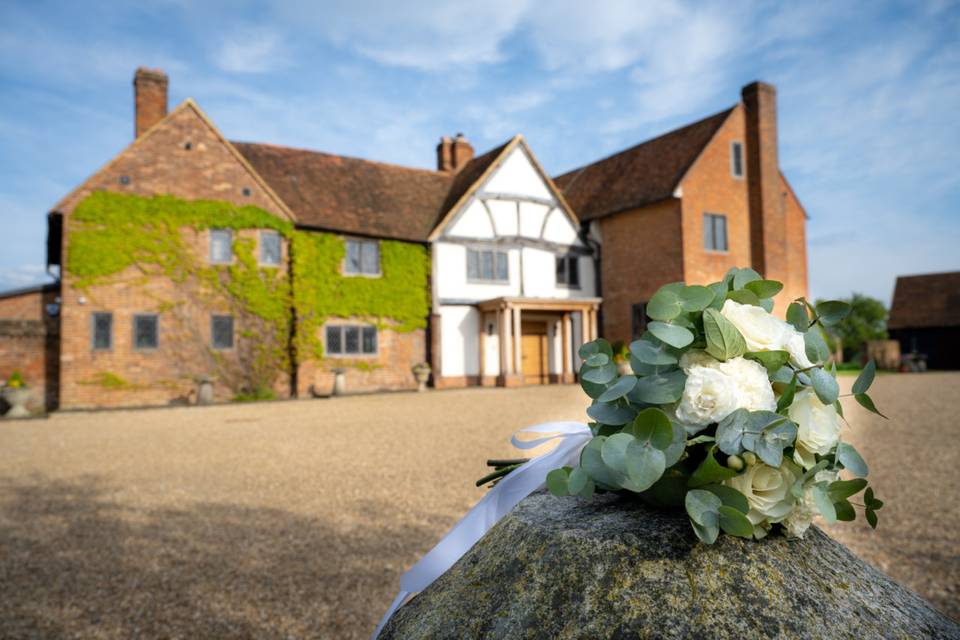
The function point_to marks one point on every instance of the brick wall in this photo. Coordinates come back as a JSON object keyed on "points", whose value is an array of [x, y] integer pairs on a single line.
{"points": [[710, 187], [795, 283], [184, 157], [29, 343], [391, 368], [642, 250]]}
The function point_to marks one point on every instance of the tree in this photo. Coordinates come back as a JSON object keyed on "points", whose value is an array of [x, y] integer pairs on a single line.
{"points": [[867, 321]]}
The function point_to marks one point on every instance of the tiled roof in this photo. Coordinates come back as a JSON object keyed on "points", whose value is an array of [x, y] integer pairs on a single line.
{"points": [[931, 300], [352, 195], [640, 175]]}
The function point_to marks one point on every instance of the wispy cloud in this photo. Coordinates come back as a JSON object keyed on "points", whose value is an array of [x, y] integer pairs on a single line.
{"points": [[251, 50]]}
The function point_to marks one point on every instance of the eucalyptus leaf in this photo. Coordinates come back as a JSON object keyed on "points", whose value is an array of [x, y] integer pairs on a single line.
{"points": [[664, 306], [599, 345], [592, 389], [764, 288], [645, 464], [652, 425], [659, 389], [695, 298], [592, 462], [597, 360], [599, 375], [719, 290], [724, 341], [845, 511], [851, 460], [730, 497], [786, 398], [577, 481], [557, 481], [797, 316], [677, 446], [763, 432], [614, 451], [744, 296], [824, 385], [865, 379], [867, 403], [611, 413], [843, 489], [707, 535], [767, 304], [618, 389], [771, 360], [703, 507], [734, 523], [673, 335], [743, 276], [649, 350], [824, 505], [783, 374], [816, 347], [832, 311]]}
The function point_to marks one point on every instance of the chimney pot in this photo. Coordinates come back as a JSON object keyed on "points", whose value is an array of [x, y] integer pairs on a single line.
{"points": [[462, 152], [150, 98]]}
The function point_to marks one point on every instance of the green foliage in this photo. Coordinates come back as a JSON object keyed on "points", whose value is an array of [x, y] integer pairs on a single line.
{"points": [[112, 233], [109, 380], [867, 320], [723, 339], [15, 381], [256, 395]]}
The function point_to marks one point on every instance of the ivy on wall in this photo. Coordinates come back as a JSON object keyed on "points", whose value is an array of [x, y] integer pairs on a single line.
{"points": [[110, 232]]}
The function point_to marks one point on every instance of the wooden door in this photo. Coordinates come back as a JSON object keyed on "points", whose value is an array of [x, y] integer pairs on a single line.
{"points": [[533, 352]]}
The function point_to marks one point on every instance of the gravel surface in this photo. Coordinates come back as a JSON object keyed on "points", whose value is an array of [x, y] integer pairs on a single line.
{"points": [[296, 519]]}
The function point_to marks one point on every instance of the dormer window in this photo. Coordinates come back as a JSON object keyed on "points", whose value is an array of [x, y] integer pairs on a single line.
{"points": [[736, 159], [363, 258]]}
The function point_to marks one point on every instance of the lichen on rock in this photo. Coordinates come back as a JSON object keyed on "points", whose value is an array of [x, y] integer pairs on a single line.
{"points": [[612, 567]]}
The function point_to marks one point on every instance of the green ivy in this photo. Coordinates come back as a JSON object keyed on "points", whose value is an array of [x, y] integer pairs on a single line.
{"points": [[111, 232]]}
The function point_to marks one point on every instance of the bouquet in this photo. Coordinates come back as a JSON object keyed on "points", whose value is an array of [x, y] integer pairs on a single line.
{"points": [[730, 412]]}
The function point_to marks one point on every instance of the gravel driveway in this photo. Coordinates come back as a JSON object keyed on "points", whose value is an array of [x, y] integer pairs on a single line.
{"points": [[295, 519]]}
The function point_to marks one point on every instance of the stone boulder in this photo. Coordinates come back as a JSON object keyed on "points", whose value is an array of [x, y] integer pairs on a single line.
{"points": [[612, 567]]}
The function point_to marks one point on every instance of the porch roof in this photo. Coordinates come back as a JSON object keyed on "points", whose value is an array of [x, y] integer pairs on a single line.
{"points": [[540, 304]]}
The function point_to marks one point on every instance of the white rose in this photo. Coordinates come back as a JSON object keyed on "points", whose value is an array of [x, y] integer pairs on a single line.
{"points": [[697, 358], [761, 331], [798, 350], [806, 510], [818, 427], [754, 392], [708, 396], [767, 490]]}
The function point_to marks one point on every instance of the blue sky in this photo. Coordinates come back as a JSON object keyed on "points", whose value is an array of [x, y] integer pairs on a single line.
{"points": [[869, 97]]}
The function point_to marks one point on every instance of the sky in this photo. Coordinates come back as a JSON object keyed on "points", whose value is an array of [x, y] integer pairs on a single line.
{"points": [[868, 97]]}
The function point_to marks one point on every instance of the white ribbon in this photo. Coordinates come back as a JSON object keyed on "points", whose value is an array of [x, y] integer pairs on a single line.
{"points": [[498, 501]]}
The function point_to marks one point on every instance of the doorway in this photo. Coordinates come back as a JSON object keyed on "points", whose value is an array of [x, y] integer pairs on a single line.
{"points": [[533, 349]]}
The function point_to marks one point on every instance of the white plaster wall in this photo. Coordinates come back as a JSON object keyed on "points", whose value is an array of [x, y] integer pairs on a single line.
{"points": [[540, 276], [559, 228], [531, 218], [450, 275], [491, 346], [504, 216], [459, 341], [517, 176], [474, 222]]}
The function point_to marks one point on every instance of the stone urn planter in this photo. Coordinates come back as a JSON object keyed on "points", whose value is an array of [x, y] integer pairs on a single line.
{"points": [[17, 398], [612, 567], [204, 390], [421, 374], [339, 381]]}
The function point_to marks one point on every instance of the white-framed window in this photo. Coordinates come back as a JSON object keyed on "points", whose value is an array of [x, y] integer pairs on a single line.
{"points": [[146, 331], [221, 246], [568, 271], [101, 331], [363, 258], [487, 265], [221, 332], [351, 340], [736, 159], [714, 232], [270, 248]]}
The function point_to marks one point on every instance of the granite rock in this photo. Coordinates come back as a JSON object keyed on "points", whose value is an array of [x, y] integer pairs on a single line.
{"points": [[612, 567]]}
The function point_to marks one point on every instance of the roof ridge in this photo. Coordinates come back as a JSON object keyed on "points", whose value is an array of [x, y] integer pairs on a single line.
{"points": [[722, 112], [345, 157]]}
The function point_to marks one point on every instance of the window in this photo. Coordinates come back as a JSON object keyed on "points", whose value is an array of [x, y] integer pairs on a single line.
{"points": [[221, 246], [736, 159], [487, 265], [351, 340], [568, 271], [363, 258], [221, 332], [102, 331], [638, 313], [146, 331], [714, 232], [270, 248]]}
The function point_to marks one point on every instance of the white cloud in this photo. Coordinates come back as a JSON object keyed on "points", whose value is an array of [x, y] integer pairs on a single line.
{"points": [[251, 50]]}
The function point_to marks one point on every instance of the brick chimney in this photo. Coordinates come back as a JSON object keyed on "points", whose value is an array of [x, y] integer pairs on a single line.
{"points": [[150, 98], [768, 232], [453, 154]]}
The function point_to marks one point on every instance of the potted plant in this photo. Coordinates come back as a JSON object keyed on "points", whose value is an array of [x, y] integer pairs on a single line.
{"points": [[421, 373], [16, 393]]}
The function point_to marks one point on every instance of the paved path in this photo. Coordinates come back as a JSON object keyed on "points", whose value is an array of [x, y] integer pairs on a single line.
{"points": [[295, 519]]}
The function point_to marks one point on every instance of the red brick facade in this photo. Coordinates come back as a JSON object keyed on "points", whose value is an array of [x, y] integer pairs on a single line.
{"points": [[29, 338]]}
